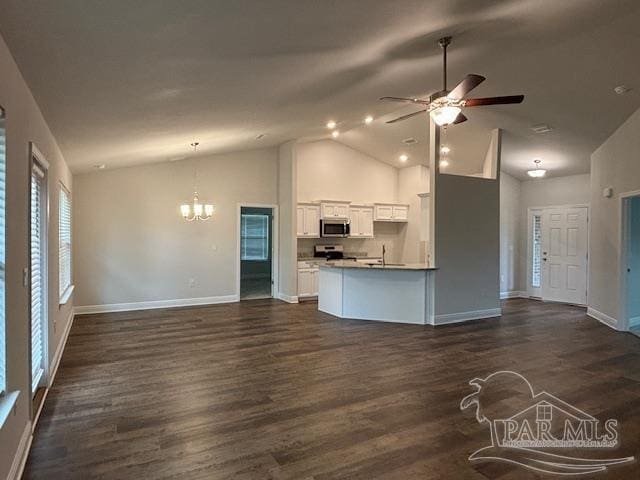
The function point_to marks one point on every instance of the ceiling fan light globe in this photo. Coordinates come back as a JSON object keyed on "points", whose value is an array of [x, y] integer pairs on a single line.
{"points": [[445, 115]]}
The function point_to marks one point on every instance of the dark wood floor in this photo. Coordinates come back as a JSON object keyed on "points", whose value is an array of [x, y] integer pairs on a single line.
{"points": [[267, 390]]}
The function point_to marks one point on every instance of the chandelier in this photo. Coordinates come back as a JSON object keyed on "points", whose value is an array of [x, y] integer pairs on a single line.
{"points": [[196, 210]]}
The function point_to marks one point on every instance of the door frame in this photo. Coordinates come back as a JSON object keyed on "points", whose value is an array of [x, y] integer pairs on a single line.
{"points": [[36, 156], [538, 291], [623, 242], [275, 246]]}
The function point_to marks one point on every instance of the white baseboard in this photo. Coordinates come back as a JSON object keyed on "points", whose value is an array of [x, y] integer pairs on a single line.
{"points": [[513, 294], [55, 361], [634, 322], [20, 458], [603, 318], [466, 316], [287, 298], [181, 302]]}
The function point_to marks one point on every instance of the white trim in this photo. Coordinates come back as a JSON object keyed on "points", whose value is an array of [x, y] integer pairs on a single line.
{"points": [[623, 245], [39, 162], [129, 307], [20, 458], [602, 318], [64, 299], [466, 316], [53, 368], [55, 361], [513, 294], [287, 298], [275, 246]]}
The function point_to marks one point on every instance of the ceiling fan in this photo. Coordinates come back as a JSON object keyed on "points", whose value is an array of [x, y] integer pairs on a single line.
{"points": [[445, 106]]}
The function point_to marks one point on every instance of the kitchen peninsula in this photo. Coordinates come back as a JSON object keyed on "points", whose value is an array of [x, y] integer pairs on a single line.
{"points": [[391, 293]]}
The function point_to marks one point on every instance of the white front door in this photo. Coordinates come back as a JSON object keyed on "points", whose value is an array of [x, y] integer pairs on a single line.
{"points": [[564, 255]]}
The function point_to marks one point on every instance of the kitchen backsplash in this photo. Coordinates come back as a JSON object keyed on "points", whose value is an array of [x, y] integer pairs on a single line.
{"points": [[389, 234]]}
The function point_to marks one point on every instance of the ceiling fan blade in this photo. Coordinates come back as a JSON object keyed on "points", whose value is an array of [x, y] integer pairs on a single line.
{"points": [[404, 117], [405, 100], [459, 119], [476, 102], [467, 84]]}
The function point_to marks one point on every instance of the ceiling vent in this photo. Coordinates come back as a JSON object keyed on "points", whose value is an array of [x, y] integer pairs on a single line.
{"points": [[410, 141], [542, 128]]}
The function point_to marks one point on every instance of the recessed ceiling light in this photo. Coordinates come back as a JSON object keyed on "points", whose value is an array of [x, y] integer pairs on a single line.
{"points": [[335, 134], [621, 89], [100, 166], [444, 150], [331, 124], [410, 141], [541, 128], [444, 163], [261, 136], [404, 158], [368, 119]]}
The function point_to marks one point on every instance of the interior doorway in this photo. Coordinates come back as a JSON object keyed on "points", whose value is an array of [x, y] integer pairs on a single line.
{"points": [[256, 252], [630, 262], [557, 253]]}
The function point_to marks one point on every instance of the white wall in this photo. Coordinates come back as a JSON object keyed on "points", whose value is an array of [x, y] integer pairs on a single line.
{"points": [[329, 170], [287, 199], [411, 182], [132, 245], [547, 192], [25, 123], [510, 221], [615, 164]]}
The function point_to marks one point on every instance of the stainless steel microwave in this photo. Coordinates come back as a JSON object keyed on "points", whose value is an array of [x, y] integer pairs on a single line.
{"points": [[335, 228]]}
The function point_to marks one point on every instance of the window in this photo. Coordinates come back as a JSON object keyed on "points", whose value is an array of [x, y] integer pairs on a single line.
{"points": [[536, 261], [38, 272], [2, 254], [254, 237], [64, 237], [544, 412]]}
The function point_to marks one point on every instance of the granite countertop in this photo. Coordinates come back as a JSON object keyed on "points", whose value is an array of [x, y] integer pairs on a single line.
{"points": [[388, 266]]}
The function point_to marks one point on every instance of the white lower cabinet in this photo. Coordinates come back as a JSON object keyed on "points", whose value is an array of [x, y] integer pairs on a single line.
{"points": [[308, 284]]}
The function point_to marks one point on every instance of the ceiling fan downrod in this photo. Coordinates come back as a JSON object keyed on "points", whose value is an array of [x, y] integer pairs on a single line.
{"points": [[444, 42]]}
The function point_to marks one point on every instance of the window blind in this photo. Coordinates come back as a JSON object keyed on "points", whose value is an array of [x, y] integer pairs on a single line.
{"points": [[64, 237], [2, 254], [37, 272], [254, 237]]}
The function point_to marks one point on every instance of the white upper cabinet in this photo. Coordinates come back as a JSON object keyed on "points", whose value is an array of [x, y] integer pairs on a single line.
{"points": [[308, 220], [361, 221], [390, 212], [335, 210]]}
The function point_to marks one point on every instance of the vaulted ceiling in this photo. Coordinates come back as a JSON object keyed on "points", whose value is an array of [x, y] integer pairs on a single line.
{"points": [[125, 83]]}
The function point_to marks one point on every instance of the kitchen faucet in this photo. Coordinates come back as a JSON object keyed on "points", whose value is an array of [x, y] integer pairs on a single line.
{"points": [[384, 251]]}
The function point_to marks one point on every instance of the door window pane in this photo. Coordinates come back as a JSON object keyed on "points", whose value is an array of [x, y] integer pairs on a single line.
{"points": [[536, 260]]}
